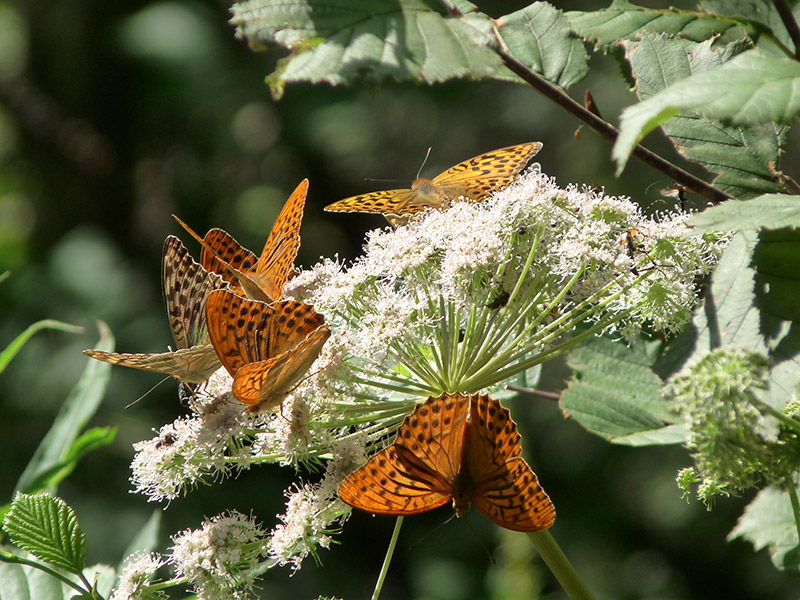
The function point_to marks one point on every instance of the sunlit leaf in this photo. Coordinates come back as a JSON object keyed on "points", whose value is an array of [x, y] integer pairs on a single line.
{"points": [[769, 522], [340, 41], [47, 528], [771, 211], [753, 88], [540, 37], [760, 13], [623, 20]]}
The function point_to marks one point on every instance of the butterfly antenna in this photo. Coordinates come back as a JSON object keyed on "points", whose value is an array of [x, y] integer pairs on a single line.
{"points": [[422, 166], [480, 541], [373, 180], [148, 391], [424, 537]]}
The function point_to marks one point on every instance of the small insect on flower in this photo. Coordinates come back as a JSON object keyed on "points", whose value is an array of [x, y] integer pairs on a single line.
{"points": [[458, 448]]}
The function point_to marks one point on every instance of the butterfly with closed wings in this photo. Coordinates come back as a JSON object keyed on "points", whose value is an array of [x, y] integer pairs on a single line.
{"points": [[186, 285]]}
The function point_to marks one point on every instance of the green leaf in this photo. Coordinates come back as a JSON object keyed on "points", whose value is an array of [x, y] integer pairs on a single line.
{"points": [[16, 345], [78, 408], [613, 392], [728, 315], [752, 88], [771, 211], [21, 582], [47, 528], [623, 20], [761, 13], [768, 522], [340, 41], [540, 37], [91, 440], [665, 436]]}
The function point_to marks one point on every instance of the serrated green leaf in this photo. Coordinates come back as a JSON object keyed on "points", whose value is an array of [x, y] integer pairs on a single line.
{"points": [[752, 88], [768, 522], [47, 528], [771, 211], [761, 12], [623, 20], [78, 408], [728, 315], [539, 36], [341, 41], [16, 345], [613, 392]]}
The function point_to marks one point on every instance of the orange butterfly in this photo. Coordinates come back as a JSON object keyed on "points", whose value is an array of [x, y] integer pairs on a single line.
{"points": [[259, 278], [186, 285], [267, 348], [454, 447], [474, 179]]}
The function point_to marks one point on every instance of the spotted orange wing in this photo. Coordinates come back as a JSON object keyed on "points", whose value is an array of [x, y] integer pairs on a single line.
{"points": [[186, 285], [267, 348], [416, 473], [276, 264], [263, 278], [383, 202], [505, 489], [479, 177]]}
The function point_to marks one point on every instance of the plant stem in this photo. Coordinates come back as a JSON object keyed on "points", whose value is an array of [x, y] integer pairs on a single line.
{"points": [[559, 565], [791, 488], [785, 12], [8, 557], [388, 559]]}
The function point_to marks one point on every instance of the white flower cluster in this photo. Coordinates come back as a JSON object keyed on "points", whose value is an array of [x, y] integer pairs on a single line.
{"points": [[138, 570], [221, 558]]}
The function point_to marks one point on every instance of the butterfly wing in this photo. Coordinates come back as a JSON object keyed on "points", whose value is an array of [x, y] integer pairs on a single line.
{"points": [[267, 348], [394, 202], [479, 177], [220, 250], [416, 473], [276, 265], [384, 486], [186, 286], [505, 490], [190, 365]]}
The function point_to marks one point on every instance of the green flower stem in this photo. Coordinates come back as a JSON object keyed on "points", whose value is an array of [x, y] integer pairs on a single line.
{"points": [[559, 565], [8, 557], [786, 420], [388, 559], [791, 488]]}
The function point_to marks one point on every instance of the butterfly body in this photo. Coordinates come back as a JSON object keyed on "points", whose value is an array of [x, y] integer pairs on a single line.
{"points": [[185, 285], [267, 348], [457, 448], [475, 179]]}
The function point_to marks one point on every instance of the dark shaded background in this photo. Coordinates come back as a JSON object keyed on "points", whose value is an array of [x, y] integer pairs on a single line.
{"points": [[113, 115]]}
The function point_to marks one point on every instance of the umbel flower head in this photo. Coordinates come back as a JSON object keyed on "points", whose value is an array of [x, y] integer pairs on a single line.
{"points": [[736, 439], [463, 300]]}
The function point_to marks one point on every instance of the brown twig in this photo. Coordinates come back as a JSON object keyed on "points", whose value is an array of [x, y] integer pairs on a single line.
{"points": [[605, 129], [785, 13]]}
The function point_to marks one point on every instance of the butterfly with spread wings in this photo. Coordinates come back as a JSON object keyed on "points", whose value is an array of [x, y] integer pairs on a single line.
{"points": [[454, 448], [474, 179], [260, 278], [267, 348], [186, 285]]}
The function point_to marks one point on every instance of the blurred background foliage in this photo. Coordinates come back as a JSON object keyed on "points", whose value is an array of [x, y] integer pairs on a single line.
{"points": [[113, 115]]}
